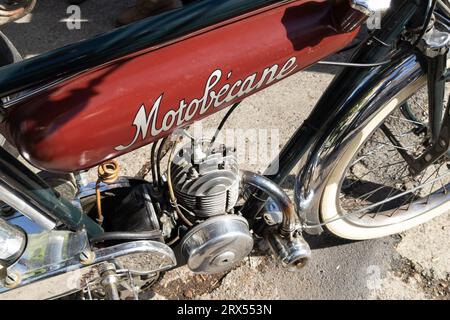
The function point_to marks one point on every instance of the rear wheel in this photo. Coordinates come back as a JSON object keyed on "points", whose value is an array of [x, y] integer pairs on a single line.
{"points": [[370, 193]]}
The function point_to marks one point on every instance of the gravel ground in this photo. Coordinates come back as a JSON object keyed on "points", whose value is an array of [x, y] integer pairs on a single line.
{"points": [[413, 265]]}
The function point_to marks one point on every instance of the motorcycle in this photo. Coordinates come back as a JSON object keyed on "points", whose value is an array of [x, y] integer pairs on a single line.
{"points": [[373, 153]]}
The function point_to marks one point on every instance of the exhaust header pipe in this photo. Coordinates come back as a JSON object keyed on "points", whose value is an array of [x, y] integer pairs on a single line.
{"points": [[285, 239]]}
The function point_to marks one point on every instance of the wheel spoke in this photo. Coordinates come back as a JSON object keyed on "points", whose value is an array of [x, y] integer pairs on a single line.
{"points": [[374, 188], [374, 170], [407, 148], [399, 195], [407, 120]]}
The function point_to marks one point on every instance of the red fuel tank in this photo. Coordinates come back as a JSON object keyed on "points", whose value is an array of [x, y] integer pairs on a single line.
{"points": [[116, 108]]}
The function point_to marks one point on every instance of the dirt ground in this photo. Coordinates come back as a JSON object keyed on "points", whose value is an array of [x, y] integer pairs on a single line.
{"points": [[412, 265]]}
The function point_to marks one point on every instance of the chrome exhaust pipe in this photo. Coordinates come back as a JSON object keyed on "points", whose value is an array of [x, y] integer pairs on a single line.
{"points": [[293, 252], [285, 239]]}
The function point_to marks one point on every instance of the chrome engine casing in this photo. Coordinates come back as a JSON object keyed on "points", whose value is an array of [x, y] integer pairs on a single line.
{"points": [[217, 244], [206, 183]]}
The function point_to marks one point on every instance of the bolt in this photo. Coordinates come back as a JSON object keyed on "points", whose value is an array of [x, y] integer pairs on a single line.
{"points": [[7, 211], [443, 143], [12, 280], [268, 219], [87, 257]]}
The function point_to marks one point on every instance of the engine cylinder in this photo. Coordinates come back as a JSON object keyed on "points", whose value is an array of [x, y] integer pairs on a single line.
{"points": [[206, 183]]}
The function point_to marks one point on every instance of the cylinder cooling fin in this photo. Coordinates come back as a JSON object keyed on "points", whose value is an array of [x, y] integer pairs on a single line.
{"points": [[206, 182]]}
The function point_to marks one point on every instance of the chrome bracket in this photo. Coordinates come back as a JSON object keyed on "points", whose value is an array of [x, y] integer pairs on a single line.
{"points": [[435, 43]]}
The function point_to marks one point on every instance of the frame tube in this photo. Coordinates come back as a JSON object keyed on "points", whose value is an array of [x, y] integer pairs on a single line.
{"points": [[26, 192]]}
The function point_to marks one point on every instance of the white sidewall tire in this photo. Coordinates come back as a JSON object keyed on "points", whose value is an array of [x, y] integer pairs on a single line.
{"points": [[344, 228]]}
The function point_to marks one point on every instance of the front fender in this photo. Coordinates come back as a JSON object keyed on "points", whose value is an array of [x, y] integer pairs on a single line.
{"points": [[352, 111]]}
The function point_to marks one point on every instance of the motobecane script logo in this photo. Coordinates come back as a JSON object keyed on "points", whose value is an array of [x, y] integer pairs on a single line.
{"points": [[212, 97]]}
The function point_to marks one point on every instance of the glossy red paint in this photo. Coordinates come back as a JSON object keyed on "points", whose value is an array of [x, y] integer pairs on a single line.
{"points": [[97, 115]]}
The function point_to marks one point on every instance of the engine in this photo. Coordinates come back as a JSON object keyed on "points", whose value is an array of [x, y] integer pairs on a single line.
{"points": [[201, 218], [206, 183], [191, 208]]}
